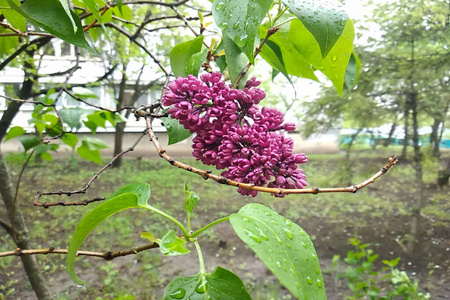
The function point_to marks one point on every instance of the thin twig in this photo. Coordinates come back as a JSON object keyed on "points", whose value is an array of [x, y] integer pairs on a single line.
{"points": [[207, 174], [270, 32], [96, 106], [108, 255], [86, 186], [104, 9]]}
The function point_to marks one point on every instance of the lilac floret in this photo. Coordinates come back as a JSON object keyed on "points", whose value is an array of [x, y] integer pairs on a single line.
{"points": [[233, 133]]}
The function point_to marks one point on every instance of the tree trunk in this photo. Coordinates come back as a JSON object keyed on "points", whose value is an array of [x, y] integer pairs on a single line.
{"points": [[20, 234], [444, 175], [406, 137], [419, 201], [388, 141], [434, 137], [120, 127], [21, 239]]}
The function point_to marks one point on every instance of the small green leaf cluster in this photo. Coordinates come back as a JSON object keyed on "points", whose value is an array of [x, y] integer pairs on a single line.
{"points": [[48, 125], [364, 280], [282, 245]]}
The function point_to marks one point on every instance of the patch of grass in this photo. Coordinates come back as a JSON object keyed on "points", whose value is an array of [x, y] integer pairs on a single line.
{"points": [[388, 199]]}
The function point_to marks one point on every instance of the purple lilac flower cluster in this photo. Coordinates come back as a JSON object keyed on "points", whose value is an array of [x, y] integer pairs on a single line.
{"points": [[232, 132]]}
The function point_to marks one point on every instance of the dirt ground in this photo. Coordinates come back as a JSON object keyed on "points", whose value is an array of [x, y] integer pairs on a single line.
{"points": [[430, 262]]}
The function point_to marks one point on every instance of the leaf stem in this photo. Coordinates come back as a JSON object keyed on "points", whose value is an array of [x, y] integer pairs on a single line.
{"points": [[201, 262], [167, 216], [194, 234]]}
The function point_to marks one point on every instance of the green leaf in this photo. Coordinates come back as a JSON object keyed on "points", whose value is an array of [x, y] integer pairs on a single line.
{"points": [[221, 284], [98, 119], [282, 54], [84, 93], [46, 156], [93, 7], [236, 60], [352, 72], [72, 116], [324, 23], [334, 65], [14, 18], [44, 148], [89, 149], [240, 21], [94, 143], [14, 132], [142, 190], [98, 215], [191, 200], [150, 237], [181, 53], [70, 139], [119, 5], [51, 16], [125, 12], [172, 245], [175, 130], [284, 247], [29, 142], [65, 5], [92, 155], [195, 62]]}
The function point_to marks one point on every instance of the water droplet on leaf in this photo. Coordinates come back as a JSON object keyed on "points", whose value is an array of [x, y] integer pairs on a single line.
{"points": [[178, 294], [220, 6], [319, 283]]}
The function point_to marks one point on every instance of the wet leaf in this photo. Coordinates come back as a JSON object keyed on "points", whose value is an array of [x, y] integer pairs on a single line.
{"points": [[284, 247], [129, 196], [324, 23], [222, 284], [175, 130], [240, 20], [181, 53]]}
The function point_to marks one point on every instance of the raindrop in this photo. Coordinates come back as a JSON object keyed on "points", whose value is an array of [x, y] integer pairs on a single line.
{"points": [[263, 235], [80, 285], [309, 280], [314, 256], [304, 245], [201, 287], [224, 25], [253, 236], [178, 294], [319, 283], [267, 213], [334, 58], [220, 6], [274, 222], [245, 219], [317, 271], [278, 264], [289, 233], [236, 25], [243, 38]]}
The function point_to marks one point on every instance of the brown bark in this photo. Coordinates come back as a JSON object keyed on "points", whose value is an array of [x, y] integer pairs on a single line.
{"points": [[20, 233]]}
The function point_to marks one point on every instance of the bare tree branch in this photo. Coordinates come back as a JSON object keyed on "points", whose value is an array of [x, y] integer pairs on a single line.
{"points": [[86, 186], [108, 255], [207, 174]]}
